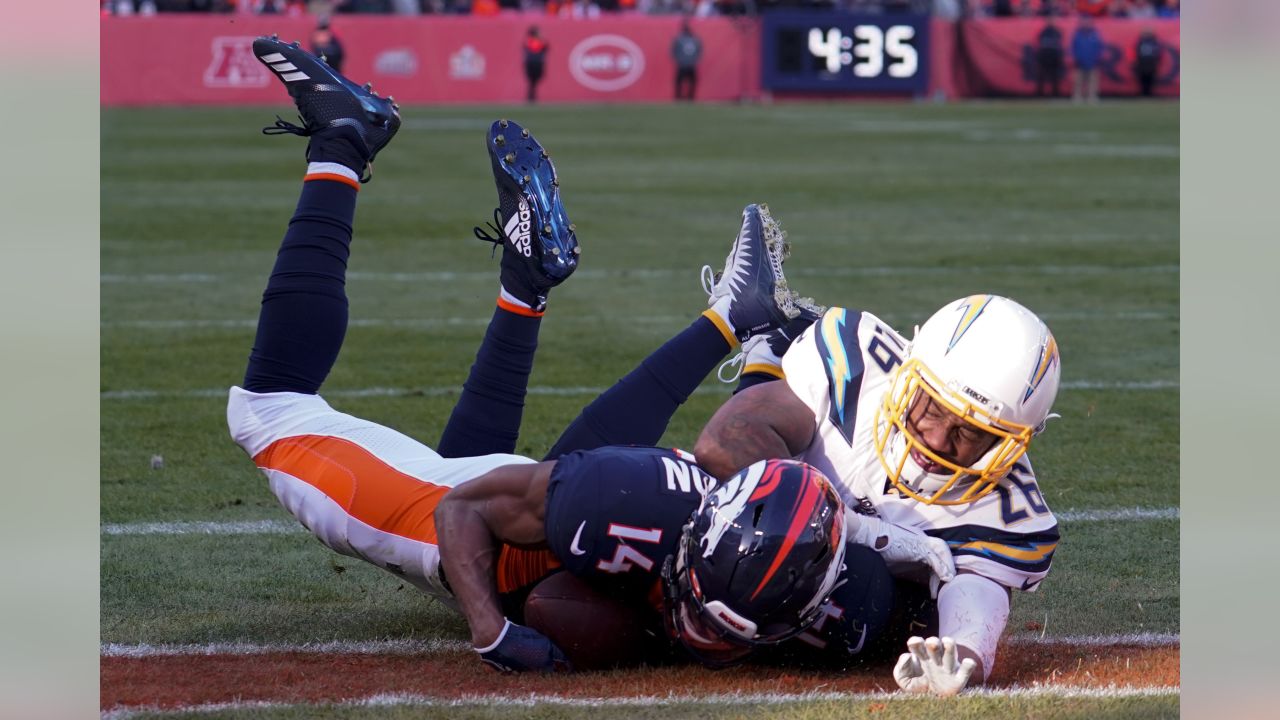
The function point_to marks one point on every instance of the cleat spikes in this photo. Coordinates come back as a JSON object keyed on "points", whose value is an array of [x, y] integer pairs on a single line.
{"points": [[524, 134], [275, 36], [510, 158], [546, 229], [500, 140], [577, 249], [524, 180], [503, 123], [368, 87], [573, 228], [295, 44], [555, 251]]}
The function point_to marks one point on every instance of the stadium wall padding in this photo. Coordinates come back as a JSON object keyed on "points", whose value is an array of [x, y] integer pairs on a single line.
{"points": [[202, 59], [208, 59]]}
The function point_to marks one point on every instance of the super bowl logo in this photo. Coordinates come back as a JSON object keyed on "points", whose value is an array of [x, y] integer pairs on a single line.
{"points": [[606, 63], [234, 65]]}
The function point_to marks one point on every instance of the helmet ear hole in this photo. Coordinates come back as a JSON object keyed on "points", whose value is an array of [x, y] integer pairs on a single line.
{"points": [[755, 521]]}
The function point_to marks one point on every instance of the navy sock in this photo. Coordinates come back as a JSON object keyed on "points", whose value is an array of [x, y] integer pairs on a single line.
{"points": [[487, 417], [636, 410], [304, 309]]}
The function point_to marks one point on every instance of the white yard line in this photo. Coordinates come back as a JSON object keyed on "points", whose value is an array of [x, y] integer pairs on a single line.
{"points": [[666, 273], [558, 391], [575, 319], [726, 699], [289, 527]]}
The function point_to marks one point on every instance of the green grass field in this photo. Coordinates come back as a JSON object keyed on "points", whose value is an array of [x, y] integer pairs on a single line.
{"points": [[893, 208]]}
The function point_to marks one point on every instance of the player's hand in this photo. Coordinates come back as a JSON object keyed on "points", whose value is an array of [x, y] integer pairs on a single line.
{"points": [[929, 666], [522, 649], [897, 544]]}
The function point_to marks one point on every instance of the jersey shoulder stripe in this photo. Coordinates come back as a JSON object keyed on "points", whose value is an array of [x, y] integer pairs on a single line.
{"points": [[837, 338], [1029, 552]]}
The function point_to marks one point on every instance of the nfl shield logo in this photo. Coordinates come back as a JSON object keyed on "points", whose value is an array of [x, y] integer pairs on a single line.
{"points": [[234, 66]]}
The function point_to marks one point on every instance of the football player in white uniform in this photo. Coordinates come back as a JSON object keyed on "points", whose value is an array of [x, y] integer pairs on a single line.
{"points": [[926, 437]]}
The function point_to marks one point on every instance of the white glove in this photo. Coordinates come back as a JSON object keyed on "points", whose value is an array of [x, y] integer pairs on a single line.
{"points": [[930, 666], [901, 545]]}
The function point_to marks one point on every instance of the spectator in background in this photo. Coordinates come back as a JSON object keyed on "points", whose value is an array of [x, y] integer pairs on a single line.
{"points": [[1142, 10], [1146, 61], [325, 44], [1168, 9], [535, 61], [1086, 54], [686, 50], [1002, 8], [1049, 59]]}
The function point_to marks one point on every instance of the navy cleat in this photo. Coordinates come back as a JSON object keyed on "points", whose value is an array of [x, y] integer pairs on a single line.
{"points": [[539, 245], [346, 123], [751, 293]]}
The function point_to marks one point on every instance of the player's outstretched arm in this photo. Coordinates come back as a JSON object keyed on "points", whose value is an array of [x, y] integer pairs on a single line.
{"points": [[764, 421], [505, 505]]}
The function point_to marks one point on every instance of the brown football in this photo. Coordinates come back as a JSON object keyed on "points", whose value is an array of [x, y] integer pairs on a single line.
{"points": [[595, 631]]}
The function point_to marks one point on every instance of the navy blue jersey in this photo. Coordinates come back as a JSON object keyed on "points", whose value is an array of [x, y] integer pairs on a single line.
{"points": [[614, 514]]}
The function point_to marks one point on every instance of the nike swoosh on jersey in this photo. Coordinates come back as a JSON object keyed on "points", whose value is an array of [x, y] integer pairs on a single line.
{"points": [[573, 546]]}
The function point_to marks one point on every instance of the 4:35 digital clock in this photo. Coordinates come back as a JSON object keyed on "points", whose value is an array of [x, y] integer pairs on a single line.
{"points": [[845, 52]]}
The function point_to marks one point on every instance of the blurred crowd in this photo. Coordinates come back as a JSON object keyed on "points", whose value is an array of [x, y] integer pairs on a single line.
{"points": [[1138, 9]]}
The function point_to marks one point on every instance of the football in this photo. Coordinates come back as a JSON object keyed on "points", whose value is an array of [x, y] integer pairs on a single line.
{"points": [[595, 631]]}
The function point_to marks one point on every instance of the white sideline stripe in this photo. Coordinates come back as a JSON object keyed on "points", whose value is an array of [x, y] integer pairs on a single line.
{"points": [[892, 271], [726, 699], [576, 319], [568, 391], [422, 647], [272, 58], [289, 527]]}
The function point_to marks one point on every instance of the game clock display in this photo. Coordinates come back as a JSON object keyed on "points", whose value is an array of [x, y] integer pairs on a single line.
{"points": [[845, 52]]}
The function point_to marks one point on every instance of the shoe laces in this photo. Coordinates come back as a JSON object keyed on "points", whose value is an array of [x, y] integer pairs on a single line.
{"points": [[733, 365], [497, 238], [282, 127], [710, 278]]}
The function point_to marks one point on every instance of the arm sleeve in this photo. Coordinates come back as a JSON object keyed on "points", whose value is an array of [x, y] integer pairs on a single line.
{"points": [[973, 611]]}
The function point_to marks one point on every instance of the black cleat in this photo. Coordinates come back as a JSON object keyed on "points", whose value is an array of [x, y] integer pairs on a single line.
{"points": [[758, 298], [539, 245], [347, 123]]}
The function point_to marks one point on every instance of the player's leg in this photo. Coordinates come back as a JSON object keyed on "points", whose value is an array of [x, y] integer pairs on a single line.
{"points": [[303, 317], [539, 251], [750, 297]]}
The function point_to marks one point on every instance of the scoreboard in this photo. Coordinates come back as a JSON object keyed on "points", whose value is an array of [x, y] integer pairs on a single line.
{"points": [[845, 52]]}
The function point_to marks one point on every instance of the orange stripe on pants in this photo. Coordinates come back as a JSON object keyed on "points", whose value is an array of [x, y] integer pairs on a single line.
{"points": [[380, 496], [365, 486]]}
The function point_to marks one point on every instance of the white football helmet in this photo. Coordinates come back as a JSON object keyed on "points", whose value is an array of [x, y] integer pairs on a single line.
{"points": [[994, 364]]}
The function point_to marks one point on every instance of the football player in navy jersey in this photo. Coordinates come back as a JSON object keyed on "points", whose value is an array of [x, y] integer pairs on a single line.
{"points": [[746, 563]]}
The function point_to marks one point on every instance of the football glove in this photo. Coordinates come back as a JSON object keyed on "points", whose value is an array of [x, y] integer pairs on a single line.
{"points": [[897, 544], [522, 649], [930, 666]]}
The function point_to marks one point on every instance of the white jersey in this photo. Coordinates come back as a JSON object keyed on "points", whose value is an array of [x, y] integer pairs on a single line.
{"points": [[841, 367]]}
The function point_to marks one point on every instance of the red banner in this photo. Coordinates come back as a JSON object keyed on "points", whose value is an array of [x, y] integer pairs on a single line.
{"points": [[202, 59], [998, 56]]}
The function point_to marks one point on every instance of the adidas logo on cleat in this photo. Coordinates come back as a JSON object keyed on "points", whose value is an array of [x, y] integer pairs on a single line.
{"points": [[518, 230]]}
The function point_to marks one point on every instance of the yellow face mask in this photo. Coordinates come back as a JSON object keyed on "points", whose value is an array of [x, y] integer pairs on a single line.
{"points": [[966, 484]]}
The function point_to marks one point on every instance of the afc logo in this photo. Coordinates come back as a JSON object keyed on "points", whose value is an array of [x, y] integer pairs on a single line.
{"points": [[234, 65]]}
